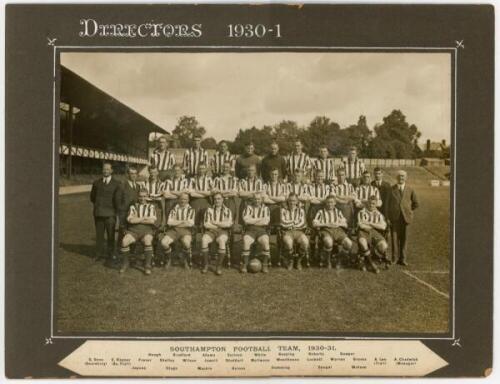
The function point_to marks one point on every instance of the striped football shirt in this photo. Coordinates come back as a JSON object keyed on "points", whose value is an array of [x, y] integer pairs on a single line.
{"points": [[218, 160], [217, 215], [253, 185], [203, 184], [226, 184], [326, 166], [319, 191], [366, 216], [293, 218], [335, 216], [344, 189], [154, 188], [177, 185], [163, 161], [275, 189], [300, 161], [260, 212], [353, 168], [299, 189], [363, 192], [141, 211], [192, 158], [182, 213]]}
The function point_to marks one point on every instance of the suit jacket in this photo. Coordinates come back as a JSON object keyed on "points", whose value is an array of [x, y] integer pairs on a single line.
{"points": [[401, 204], [106, 197], [385, 191], [128, 196]]}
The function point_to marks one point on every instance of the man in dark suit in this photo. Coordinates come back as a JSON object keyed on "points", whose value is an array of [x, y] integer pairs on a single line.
{"points": [[130, 190], [106, 197], [384, 188], [401, 203]]}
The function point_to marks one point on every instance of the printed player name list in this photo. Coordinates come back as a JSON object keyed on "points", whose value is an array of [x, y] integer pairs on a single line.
{"points": [[253, 358]]}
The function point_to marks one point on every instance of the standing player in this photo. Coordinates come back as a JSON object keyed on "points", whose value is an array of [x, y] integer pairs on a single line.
{"points": [[275, 193], [371, 224], [324, 164], [142, 222], [217, 220], [298, 187], [298, 159], [293, 224], [354, 166], [180, 222], [228, 186], [256, 217], [247, 159], [249, 186], [174, 187], [221, 157], [105, 195], [365, 191], [200, 190], [271, 161], [318, 192], [331, 225], [345, 196], [193, 157], [384, 188], [155, 188], [162, 159]]}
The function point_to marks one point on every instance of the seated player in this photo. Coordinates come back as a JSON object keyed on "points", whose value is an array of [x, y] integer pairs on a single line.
{"points": [[318, 192], [332, 225], [228, 186], [180, 221], [249, 186], [142, 222], [345, 194], [365, 190], [174, 187], [275, 193], [293, 224], [256, 217], [200, 190], [217, 220], [371, 223]]}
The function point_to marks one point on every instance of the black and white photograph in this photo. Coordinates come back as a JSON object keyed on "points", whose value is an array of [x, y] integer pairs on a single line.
{"points": [[255, 192]]}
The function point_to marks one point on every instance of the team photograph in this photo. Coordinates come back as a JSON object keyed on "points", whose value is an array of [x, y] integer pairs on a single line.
{"points": [[226, 193]]}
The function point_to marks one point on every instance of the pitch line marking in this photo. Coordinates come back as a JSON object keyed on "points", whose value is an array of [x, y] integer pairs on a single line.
{"points": [[427, 284]]}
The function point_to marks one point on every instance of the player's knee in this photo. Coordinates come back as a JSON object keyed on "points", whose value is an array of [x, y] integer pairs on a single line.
{"points": [[221, 242], [186, 242], [147, 240], [247, 242], [382, 246], [127, 240], [288, 242], [304, 241], [205, 241], [362, 243], [264, 241], [327, 242], [166, 241], [347, 244]]}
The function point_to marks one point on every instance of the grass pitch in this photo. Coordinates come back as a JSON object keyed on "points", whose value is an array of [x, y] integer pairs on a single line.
{"points": [[91, 298]]}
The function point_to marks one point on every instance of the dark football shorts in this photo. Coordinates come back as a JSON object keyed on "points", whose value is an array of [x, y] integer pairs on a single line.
{"points": [[215, 233], [138, 231], [255, 231], [337, 234], [178, 233], [372, 236]]}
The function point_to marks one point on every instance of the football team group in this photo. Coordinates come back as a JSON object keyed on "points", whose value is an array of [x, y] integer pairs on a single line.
{"points": [[320, 211]]}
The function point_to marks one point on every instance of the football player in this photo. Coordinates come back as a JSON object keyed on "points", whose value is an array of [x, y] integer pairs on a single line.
{"points": [[299, 187], [248, 187], [345, 196], [298, 159], [174, 187], [325, 164], [318, 192], [221, 157], [354, 166], [371, 224], [275, 193], [332, 227], [365, 191], [217, 220], [155, 188], [180, 221], [200, 190], [193, 157], [142, 222], [293, 224], [256, 217], [228, 186], [162, 159]]}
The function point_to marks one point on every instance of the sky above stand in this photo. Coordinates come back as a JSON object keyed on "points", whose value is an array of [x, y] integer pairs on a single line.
{"points": [[231, 91]]}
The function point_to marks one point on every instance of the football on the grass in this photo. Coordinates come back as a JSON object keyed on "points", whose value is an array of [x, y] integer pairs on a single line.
{"points": [[255, 265]]}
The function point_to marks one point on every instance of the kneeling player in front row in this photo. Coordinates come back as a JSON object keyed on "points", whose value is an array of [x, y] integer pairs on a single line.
{"points": [[293, 223], [256, 217], [141, 226], [332, 225], [180, 222], [217, 220], [370, 225]]}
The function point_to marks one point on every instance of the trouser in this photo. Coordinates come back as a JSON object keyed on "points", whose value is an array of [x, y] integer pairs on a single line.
{"points": [[398, 239], [105, 225]]}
